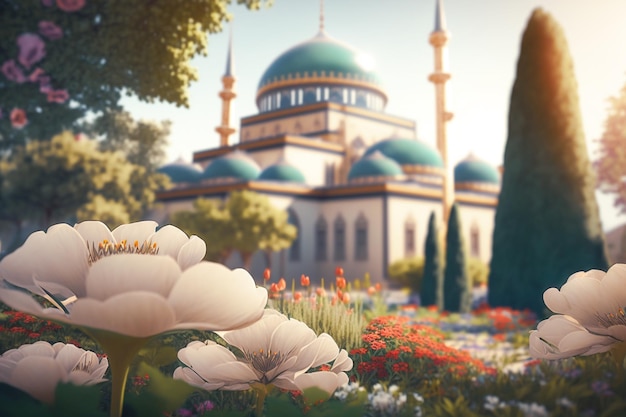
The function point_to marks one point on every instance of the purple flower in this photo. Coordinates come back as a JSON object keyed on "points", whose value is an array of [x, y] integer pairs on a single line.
{"points": [[50, 30], [58, 96], [32, 49], [47, 3], [13, 72], [184, 412], [204, 407], [44, 84]]}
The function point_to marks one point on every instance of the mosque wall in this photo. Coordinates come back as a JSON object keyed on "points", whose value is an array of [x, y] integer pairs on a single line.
{"points": [[408, 217], [477, 224], [299, 124], [369, 130], [318, 167]]}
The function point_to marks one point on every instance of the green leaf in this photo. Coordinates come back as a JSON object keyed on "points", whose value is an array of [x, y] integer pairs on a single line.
{"points": [[169, 393], [17, 403], [77, 401]]}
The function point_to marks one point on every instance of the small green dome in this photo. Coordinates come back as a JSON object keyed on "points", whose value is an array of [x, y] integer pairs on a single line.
{"points": [[179, 172], [282, 171], [374, 165], [235, 165], [321, 56], [472, 169], [408, 152]]}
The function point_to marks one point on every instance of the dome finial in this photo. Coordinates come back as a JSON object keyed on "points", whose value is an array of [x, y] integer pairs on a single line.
{"points": [[229, 58], [321, 16]]}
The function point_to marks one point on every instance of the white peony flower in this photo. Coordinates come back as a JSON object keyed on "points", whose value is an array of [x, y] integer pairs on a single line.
{"points": [[157, 283], [125, 286], [37, 368], [591, 320], [275, 351]]}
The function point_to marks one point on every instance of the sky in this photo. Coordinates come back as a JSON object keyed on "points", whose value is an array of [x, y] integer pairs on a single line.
{"points": [[482, 57]]}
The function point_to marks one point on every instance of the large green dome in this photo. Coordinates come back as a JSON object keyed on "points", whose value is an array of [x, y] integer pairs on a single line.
{"points": [[408, 152], [321, 69], [374, 165], [321, 56], [179, 172], [235, 165], [472, 169], [282, 171]]}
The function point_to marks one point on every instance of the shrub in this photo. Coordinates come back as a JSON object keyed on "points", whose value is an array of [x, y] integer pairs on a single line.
{"points": [[407, 273]]}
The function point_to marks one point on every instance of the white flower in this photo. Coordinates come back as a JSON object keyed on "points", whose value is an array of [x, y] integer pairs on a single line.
{"points": [[592, 320], [102, 281], [37, 368], [274, 351]]}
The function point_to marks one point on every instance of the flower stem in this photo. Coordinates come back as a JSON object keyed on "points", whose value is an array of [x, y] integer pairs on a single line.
{"points": [[120, 351], [261, 393]]}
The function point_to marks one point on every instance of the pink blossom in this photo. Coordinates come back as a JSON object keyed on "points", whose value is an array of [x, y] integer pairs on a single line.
{"points": [[70, 5], [36, 75], [50, 30], [44, 84], [13, 72], [58, 96], [18, 118], [47, 3], [32, 49]]}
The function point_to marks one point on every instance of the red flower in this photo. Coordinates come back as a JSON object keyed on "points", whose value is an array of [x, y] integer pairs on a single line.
{"points": [[305, 281], [70, 5], [339, 271], [281, 284], [341, 282], [297, 296], [18, 118], [50, 30], [58, 96], [266, 274]]}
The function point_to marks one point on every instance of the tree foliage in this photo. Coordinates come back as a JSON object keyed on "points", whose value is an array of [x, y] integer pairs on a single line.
{"points": [[97, 53], [547, 224], [457, 294], [68, 178], [245, 222], [432, 281], [407, 273], [611, 163]]}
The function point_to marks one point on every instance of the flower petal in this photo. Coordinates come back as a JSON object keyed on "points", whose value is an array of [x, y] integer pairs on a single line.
{"points": [[137, 314], [323, 380], [60, 256], [191, 252], [38, 376], [169, 240], [118, 274], [257, 335], [94, 232], [213, 297], [138, 231]]}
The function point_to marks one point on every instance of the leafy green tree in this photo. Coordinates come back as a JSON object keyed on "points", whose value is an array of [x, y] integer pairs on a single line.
{"points": [[246, 222], [547, 224], [93, 55], [457, 295], [478, 272], [432, 281], [610, 165], [407, 273], [50, 181]]}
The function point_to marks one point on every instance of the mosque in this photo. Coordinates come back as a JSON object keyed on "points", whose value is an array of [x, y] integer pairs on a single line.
{"points": [[356, 182]]}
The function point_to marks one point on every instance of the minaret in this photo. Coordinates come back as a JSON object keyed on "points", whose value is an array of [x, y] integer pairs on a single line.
{"points": [[438, 39], [227, 94]]}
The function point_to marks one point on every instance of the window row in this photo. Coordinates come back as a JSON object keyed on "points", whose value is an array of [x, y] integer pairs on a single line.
{"points": [[298, 96]]}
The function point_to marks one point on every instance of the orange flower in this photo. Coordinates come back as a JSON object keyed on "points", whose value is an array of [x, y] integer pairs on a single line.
{"points": [[345, 298], [305, 280], [339, 271], [18, 118], [297, 296], [281, 284], [266, 274], [371, 291], [273, 287], [321, 292], [341, 282]]}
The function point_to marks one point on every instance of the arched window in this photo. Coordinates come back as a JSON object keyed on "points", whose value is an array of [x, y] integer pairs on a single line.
{"points": [[321, 237], [409, 238], [475, 241], [339, 232], [294, 249], [360, 239], [309, 96], [285, 99], [336, 95]]}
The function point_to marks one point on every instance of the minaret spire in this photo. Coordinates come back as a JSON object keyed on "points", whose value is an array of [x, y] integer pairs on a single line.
{"points": [[321, 16], [438, 39], [227, 94]]}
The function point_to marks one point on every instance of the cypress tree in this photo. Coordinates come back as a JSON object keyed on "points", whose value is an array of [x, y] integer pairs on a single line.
{"points": [[432, 280], [547, 224], [457, 296]]}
